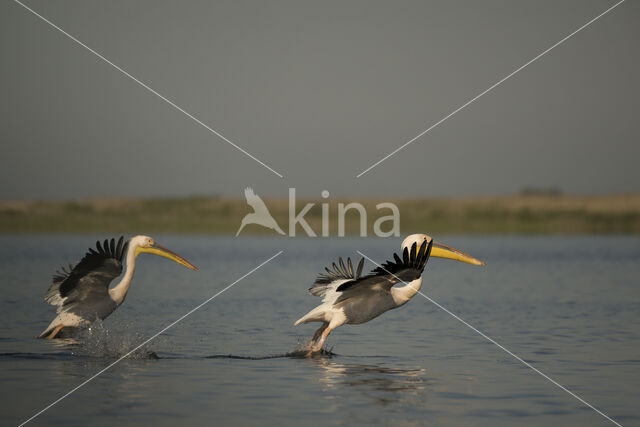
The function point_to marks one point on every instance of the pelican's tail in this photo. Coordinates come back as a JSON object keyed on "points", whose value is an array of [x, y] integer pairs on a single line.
{"points": [[52, 326], [315, 315], [45, 332]]}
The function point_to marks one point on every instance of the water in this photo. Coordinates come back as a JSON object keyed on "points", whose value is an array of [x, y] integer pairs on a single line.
{"points": [[568, 305]]}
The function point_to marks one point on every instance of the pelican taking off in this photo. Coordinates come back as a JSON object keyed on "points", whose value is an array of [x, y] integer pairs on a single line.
{"points": [[350, 298], [82, 293], [260, 214]]}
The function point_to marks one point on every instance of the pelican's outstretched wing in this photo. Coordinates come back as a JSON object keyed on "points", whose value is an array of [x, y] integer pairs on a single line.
{"points": [[339, 276], [404, 269], [256, 202], [90, 277]]}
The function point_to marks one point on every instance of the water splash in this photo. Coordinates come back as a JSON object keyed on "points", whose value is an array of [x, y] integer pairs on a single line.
{"points": [[113, 342], [301, 351]]}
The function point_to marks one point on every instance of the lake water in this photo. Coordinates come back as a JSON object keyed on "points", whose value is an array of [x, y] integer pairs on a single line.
{"points": [[570, 306]]}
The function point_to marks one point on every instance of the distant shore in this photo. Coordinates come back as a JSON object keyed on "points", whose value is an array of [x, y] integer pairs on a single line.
{"points": [[523, 214]]}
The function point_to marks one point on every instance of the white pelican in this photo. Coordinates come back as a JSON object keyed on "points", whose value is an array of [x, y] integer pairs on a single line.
{"points": [[260, 214], [350, 298], [82, 292]]}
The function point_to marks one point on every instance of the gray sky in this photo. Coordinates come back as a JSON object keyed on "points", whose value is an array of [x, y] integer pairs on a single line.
{"points": [[319, 91]]}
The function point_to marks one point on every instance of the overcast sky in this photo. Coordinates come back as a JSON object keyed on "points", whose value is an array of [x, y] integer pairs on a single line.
{"points": [[318, 91]]}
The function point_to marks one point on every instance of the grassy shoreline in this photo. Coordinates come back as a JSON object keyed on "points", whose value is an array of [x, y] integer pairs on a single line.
{"points": [[533, 214]]}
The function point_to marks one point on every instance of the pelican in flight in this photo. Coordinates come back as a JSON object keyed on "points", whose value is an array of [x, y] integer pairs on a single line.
{"points": [[82, 293], [348, 297], [260, 214]]}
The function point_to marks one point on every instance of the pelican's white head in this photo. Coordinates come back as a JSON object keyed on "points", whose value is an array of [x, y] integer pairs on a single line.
{"points": [[439, 250], [146, 244], [141, 242], [419, 239]]}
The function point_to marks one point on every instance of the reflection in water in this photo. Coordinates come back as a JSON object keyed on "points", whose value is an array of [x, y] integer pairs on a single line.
{"points": [[126, 386], [97, 348], [384, 385], [67, 343]]}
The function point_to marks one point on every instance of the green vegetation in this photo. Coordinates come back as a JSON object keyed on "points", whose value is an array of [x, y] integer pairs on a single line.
{"points": [[546, 213]]}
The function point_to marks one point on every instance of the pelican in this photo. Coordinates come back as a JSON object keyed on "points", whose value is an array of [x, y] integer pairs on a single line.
{"points": [[260, 214], [82, 293], [348, 297]]}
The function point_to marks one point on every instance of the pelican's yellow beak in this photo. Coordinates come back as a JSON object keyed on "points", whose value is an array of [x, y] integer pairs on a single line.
{"points": [[443, 251], [159, 250]]}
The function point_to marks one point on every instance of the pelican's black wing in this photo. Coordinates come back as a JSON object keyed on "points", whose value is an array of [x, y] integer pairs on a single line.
{"points": [[339, 273], [90, 277], [404, 269]]}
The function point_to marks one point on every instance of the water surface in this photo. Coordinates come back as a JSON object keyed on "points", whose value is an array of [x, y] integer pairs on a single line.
{"points": [[568, 305]]}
